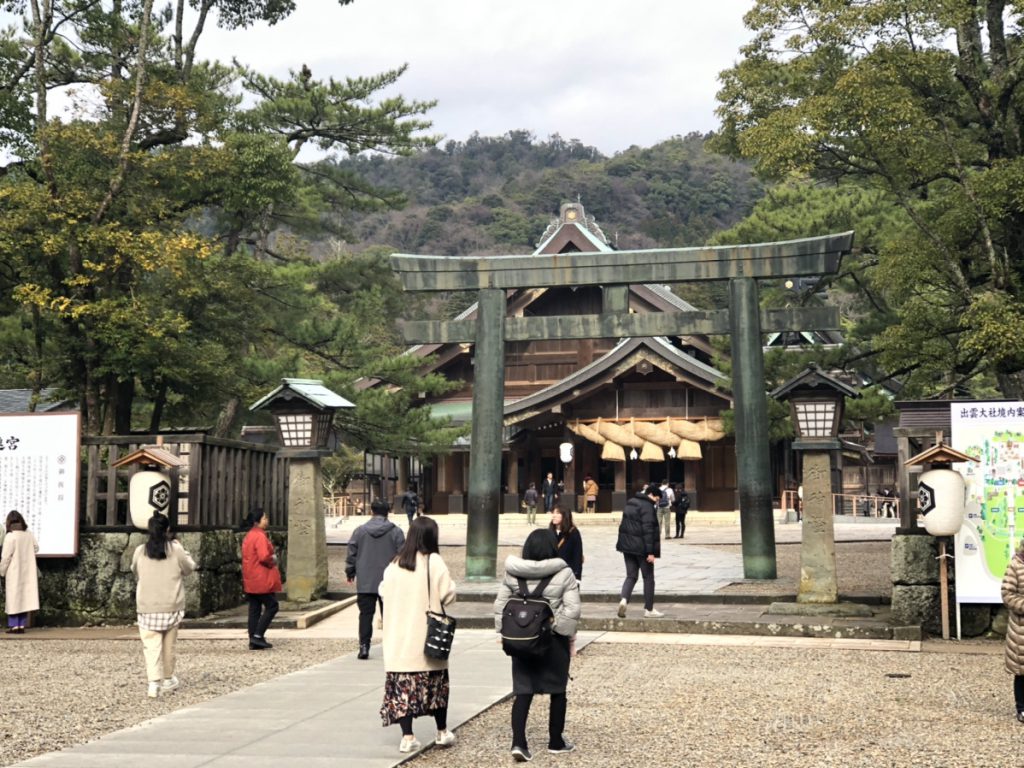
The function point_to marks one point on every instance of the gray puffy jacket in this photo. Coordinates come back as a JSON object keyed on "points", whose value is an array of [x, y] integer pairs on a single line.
{"points": [[563, 591]]}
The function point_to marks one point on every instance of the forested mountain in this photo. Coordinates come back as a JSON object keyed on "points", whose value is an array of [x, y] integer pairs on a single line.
{"points": [[497, 194]]}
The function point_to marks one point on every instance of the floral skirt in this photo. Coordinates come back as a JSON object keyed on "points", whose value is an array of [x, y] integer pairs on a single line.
{"points": [[413, 693]]}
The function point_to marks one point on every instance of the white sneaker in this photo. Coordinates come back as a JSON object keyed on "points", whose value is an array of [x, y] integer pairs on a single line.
{"points": [[622, 609], [169, 684], [654, 613], [409, 745], [444, 739], [154, 689]]}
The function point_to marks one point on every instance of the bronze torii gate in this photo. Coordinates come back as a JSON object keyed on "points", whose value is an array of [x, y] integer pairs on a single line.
{"points": [[615, 271]]}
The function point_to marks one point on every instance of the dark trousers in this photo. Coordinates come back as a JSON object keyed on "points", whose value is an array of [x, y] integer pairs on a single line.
{"points": [[1018, 692], [262, 610], [556, 720], [440, 720], [680, 524], [367, 602], [636, 565]]}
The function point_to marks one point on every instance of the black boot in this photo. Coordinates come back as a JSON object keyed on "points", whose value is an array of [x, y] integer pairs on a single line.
{"points": [[364, 651]]}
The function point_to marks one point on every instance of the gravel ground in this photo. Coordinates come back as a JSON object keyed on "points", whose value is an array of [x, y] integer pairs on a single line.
{"points": [[56, 693], [862, 568], [797, 708]]}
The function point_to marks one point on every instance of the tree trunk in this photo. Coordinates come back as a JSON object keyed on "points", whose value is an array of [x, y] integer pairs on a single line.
{"points": [[230, 418], [159, 401], [1011, 385]]}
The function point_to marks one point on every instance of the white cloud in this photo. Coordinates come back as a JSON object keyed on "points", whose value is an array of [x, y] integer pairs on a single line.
{"points": [[606, 72]]}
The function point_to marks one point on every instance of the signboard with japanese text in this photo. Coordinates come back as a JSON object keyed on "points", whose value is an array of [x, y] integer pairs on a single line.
{"points": [[39, 477], [994, 433]]}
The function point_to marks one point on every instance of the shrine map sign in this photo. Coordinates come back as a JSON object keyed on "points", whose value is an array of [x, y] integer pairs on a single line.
{"points": [[994, 519], [39, 477]]}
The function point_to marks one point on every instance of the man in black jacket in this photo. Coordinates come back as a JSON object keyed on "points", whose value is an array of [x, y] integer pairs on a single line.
{"points": [[640, 544], [372, 546]]}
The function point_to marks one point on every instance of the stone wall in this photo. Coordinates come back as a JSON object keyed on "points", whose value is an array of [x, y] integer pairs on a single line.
{"points": [[915, 591], [98, 587]]}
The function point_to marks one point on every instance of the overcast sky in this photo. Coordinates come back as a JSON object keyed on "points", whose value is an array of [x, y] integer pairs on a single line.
{"points": [[611, 73]]}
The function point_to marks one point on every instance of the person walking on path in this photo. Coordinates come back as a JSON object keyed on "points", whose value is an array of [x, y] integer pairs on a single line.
{"points": [[410, 502], [568, 539], [530, 499], [416, 581], [371, 548], [549, 674], [640, 546], [665, 504], [1012, 591], [261, 579], [590, 494], [161, 565], [20, 573], [682, 504], [549, 489]]}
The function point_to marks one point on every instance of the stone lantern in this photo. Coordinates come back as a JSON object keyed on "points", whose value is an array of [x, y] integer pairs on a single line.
{"points": [[816, 401], [303, 410]]}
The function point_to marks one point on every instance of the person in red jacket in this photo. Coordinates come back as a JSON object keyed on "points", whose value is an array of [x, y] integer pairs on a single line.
{"points": [[260, 578]]}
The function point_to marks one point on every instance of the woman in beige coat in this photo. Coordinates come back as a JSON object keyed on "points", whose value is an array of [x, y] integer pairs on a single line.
{"points": [[1013, 599], [161, 564], [21, 576], [415, 684]]}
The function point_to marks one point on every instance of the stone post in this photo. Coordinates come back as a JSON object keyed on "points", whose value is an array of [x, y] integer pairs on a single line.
{"points": [[307, 539], [818, 544], [485, 455], [757, 525]]}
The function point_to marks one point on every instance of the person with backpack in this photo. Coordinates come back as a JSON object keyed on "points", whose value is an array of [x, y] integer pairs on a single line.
{"points": [[640, 546], [530, 499], [371, 548], [682, 507], [410, 502], [535, 613], [665, 504]]}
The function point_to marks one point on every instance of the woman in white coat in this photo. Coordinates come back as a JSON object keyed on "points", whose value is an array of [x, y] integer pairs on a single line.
{"points": [[21, 577], [415, 684]]}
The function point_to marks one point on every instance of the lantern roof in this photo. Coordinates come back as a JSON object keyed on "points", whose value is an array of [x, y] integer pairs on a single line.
{"points": [[811, 380], [151, 454], [310, 391], [938, 454]]}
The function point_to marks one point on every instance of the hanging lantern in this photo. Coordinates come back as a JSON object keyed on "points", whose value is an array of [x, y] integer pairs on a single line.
{"points": [[565, 453], [149, 491], [941, 495]]}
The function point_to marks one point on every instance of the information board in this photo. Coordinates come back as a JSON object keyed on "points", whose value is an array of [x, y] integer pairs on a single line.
{"points": [[39, 477], [994, 433]]}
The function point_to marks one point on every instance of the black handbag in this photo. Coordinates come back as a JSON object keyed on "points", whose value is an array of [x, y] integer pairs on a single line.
{"points": [[440, 628]]}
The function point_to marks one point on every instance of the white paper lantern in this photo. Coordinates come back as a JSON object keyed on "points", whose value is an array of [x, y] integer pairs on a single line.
{"points": [[148, 492], [565, 452], [941, 494]]}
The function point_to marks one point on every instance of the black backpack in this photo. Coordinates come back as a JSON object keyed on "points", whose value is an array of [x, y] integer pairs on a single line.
{"points": [[526, 622]]}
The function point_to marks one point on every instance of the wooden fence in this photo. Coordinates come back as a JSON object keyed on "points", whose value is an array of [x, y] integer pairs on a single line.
{"points": [[222, 481]]}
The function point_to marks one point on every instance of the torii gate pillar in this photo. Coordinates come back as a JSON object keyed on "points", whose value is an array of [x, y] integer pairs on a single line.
{"points": [[485, 461], [752, 459]]}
